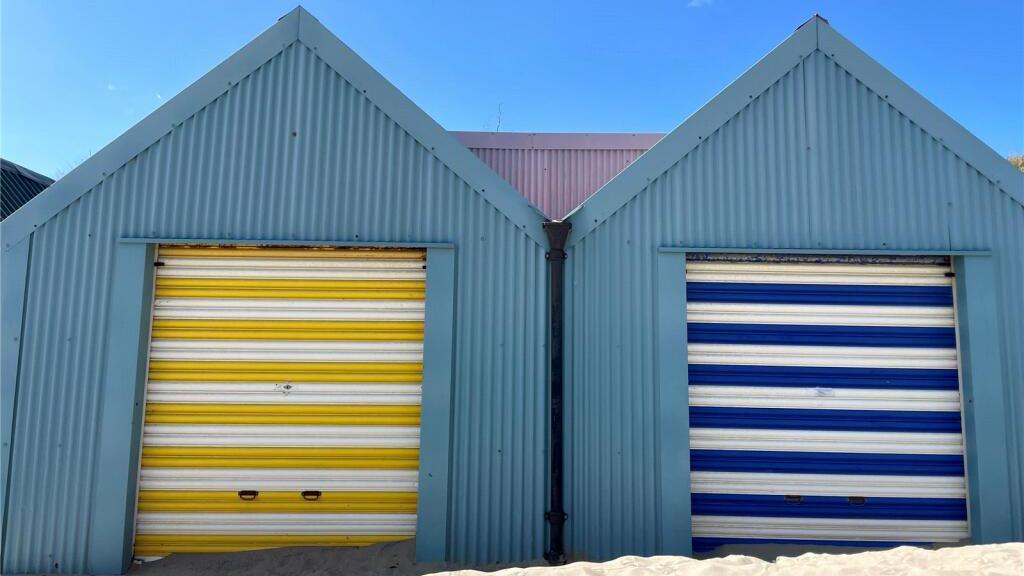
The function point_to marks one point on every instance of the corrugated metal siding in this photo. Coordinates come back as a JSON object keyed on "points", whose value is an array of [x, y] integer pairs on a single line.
{"points": [[17, 186], [558, 179], [817, 161], [346, 172]]}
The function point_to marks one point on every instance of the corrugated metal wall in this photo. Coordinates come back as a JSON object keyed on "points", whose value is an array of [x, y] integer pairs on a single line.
{"points": [[817, 161], [292, 152], [557, 172]]}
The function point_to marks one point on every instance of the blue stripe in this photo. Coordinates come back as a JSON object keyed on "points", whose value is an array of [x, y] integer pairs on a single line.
{"points": [[845, 420], [827, 463], [829, 507], [820, 335], [823, 377], [819, 294], [709, 544]]}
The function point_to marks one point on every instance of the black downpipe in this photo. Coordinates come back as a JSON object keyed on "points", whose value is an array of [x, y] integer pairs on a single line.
{"points": [[557, 233]]}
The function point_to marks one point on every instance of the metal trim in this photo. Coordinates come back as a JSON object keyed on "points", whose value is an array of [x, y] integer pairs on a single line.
{"points": [[119, 435], [852, 251], [271, 242], [984, 392], [14, 277], [432, 524], [672, 394]]}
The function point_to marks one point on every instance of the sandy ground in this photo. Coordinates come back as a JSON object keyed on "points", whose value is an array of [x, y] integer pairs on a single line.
{"points": [[397, 559], [394, 559], [997, 559]]}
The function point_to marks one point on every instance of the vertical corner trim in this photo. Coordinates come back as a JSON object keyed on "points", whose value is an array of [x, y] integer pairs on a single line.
{"points": [[436, 411], [110, 536], [984, 399], [13, 297], [673, 432]]}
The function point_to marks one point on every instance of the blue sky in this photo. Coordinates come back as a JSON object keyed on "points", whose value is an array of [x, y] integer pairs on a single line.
{"points": [[75, 75]]}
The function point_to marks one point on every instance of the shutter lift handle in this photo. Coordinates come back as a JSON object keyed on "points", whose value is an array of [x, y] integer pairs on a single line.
{"points": [[248, 495], [311, 495]]}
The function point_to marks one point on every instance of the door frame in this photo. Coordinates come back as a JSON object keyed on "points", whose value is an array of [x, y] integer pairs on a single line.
{"points": [[112, 533]]}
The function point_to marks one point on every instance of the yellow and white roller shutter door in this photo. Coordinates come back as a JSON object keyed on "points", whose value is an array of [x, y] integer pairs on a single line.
{"points": [[282, 400]]}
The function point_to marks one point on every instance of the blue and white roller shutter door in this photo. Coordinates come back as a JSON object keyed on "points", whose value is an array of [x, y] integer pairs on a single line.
{"points": [[824, 401]]}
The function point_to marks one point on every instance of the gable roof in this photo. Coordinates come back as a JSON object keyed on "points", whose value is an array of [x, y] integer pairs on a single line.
{"points": [[815, 34], [556, 171], [296, 26], [18, 185]]}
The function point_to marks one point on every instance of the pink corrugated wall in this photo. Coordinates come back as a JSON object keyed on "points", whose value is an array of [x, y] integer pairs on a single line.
{"points": [[555, 171]]}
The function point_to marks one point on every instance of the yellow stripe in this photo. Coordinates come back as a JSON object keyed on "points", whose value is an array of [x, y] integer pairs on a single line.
{"points": [[289, 414], [296, 252], [294, 283], [182, 287], [325, 325], [280, 502], [191, 371], [164, 544], [358, 336], [279, 457], [286, 330], [302, 367], [291, 294]]}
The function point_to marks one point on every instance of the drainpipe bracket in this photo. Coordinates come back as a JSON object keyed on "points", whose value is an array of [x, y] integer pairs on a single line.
{"points": [[554, 518]]}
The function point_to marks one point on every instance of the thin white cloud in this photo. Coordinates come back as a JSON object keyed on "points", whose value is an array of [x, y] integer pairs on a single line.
{"points": [[700, 3], [111, 87]]}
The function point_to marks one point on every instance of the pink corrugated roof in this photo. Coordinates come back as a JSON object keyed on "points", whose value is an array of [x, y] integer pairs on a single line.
{"points": [[557, 171]]}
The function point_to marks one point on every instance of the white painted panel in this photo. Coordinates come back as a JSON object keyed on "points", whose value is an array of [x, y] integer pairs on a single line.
{"points": [[827, 484], [260, 435], [819, 314], [270, 479], [256, 523], [286, 351], [283, 309], [822, 356], [825, 441], [817, 273], [829, 528], [281, 393], [825, 398]]}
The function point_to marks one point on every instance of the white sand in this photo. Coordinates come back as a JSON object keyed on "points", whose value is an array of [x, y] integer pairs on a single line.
{"points": [[996, 559]]}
